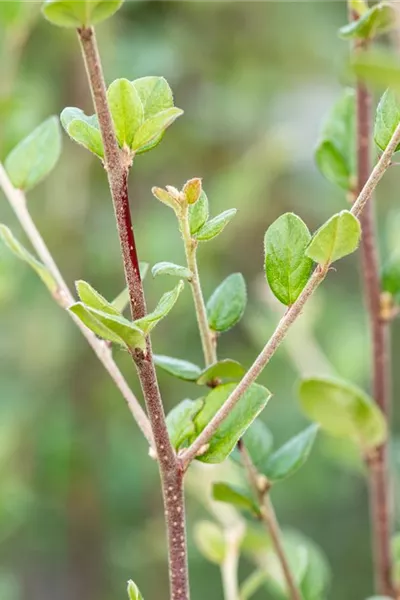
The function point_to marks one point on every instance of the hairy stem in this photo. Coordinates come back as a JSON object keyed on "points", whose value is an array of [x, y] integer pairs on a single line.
{"points": [[208, 340], [380, 357], [290, 316], [268, 517], [117, 165], [64, 298]]}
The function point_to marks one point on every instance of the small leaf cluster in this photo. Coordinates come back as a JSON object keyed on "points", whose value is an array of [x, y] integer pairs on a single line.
{"points": [[79, 13], [141, 111]]}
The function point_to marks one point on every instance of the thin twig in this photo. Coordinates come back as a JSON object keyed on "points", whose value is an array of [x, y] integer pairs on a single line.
{"points": [[65, 298], [206, 336], [290, 316], [117, 164], [229, 567]]}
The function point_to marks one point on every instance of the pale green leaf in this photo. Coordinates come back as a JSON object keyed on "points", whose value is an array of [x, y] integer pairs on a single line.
{"points": [[215, 226], [343, 410], [210, 541], [387, 119], [22, 253], [126, 110], [198, 213], [85, 315], [338, 237], [153, 128], [223, 369], [35, 156], [182, 369], [92, 299], [286, 266], [391, 277], [83, 130], [155, 94], [235, 425], [76, 13], [291, 456], [133, 591], [180, 422], [377, 20], [227, 303], [165, 304], [238, 497], [380, 68], [258, 442], [168, 268]]}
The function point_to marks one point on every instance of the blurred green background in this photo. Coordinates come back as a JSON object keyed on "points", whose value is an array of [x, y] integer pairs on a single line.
{"points": [[80, 508]]}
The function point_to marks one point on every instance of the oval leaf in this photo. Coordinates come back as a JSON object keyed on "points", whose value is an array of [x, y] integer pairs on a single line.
{"points": [[168, 268], [165, 304], [180, 422], [126, 110], [335, 154], [34, 157], [153, 128], [83, 130], [258, 442], [198, 213], [343, 410], [375, 21], [210, 541], [91, 298], [223, 369], [387, 119], [155, 94], [234, 426], [336, 238], [227, 303], [178, 368], [133, 591], [231, 494], [286, 266], [75, 13], [215, 226], [291, 456]]}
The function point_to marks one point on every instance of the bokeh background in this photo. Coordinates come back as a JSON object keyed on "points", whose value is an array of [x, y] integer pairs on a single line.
{"points": [[80, 508]]}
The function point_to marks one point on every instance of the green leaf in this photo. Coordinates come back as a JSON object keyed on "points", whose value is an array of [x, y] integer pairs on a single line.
{"points": [[317, 576], [359, 7], [215, 226], [126, 110], [387, 119], [198, 213], [338, 237], [110, 327], [192, 190], [230, 494], [153, 128], [234, 426], [391, 277], [83, 130], [165, 304], [168, 268], [227, 303], [133, 591], [223, 369], [33, 158], [343, 410], [258, 442], [180, 422], [377, 20], [155, 95], [291, 456], [378, 68], [286, 266], [210, 541], [75, 13], [92, 299], [335, 153], [178, 368], [22, 253]]}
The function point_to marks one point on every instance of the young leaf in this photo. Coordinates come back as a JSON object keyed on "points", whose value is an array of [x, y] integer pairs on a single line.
{"points": [[210, 541], [180, 421], [178, 368], [155, 94], [291, 456], [227, 303], [215, 226], [335, 154], [33, 158], [343, 410], [198, 213], [258, 442], [76, 13], [223, 369], [377, 20], [168, 268], [234, 426], [391, 277], [379, 68], [192, 190], [230, 494], [165, 197], [111, 327], [286, 266], [153, 128], [387, 119], [83, 130], [133, 591], [92, 299], [165, 304], [339, 236], [22, 253], [126, 110]]}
